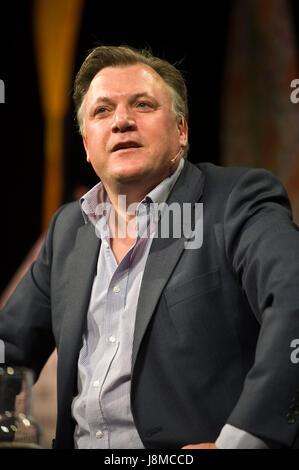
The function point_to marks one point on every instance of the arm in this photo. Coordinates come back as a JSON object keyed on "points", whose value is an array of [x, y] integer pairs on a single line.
{"points": [[262, 245], [25, 322]]}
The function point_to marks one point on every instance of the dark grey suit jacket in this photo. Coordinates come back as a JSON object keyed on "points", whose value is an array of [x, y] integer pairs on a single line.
{"points": [[213, 326]]}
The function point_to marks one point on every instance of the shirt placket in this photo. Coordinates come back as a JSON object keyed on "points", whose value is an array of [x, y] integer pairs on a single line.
{"points": [[115, 305]]}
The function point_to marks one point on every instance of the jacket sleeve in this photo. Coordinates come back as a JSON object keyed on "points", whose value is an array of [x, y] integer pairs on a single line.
{"points": [[262, 245], [25, 321]]}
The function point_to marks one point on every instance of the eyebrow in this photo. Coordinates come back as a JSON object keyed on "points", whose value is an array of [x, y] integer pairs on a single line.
{"points": [[143, 95], [136, 96]]}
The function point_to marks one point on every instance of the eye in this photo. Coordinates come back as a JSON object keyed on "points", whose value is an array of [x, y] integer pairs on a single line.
{"points": [[144, 106], [101, 110]]}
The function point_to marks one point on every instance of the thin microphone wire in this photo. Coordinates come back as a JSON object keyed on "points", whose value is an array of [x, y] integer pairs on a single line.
{"points": [[177, 155]]}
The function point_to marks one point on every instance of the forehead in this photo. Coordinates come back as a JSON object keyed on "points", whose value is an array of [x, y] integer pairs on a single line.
{"points": [[122, 81]]}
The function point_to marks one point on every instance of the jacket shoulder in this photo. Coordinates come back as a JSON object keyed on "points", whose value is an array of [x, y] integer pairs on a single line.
{"points": [[220, 173], [68, 215], [227, 178], [65, 223], [219, 179]]}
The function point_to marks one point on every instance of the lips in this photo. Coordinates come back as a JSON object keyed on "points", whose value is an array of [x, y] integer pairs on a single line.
{"points": [[126, 145]]}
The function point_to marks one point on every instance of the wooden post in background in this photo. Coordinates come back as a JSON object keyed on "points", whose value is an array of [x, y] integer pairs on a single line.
{"points": [[55, 30]]}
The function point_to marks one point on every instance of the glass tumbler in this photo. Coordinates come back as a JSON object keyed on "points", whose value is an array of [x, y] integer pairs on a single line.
{"points": [[17, 427]]}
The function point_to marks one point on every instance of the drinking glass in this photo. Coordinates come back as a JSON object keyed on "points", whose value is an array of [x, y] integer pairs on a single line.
{"points": [[18, 429]]}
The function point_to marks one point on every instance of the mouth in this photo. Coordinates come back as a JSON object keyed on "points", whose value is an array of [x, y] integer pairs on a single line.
{"points": [[130, 144]]}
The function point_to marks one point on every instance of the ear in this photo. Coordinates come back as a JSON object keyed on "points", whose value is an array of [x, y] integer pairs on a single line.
{"points": [[86, 148], [183, 132]]}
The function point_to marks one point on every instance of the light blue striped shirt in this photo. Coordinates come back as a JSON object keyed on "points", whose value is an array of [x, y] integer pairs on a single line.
{"points": [[102, 408]]}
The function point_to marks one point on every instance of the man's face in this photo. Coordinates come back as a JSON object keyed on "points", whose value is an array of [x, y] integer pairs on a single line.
{"points": [[131, 132]]}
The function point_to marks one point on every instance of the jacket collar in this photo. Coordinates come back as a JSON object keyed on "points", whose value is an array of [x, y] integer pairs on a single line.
{"points": [[164, 254]]}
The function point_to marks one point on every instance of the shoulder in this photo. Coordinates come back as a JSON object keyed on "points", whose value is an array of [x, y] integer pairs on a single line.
{"points": [[67, 218], [224, 175], [70, 212], [231, 178]]}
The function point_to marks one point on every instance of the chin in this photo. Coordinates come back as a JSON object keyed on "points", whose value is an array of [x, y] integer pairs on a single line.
{"points": [[129, 177], [130, 171]]}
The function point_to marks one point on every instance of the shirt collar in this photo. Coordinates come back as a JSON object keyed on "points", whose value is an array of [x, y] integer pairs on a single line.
{"points": [[97, 197]]}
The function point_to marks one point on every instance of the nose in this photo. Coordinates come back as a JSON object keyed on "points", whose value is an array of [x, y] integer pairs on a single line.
{"points": [[123, 120]]}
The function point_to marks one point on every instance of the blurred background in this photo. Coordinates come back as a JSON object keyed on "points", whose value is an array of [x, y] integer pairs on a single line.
{"points": [[238, 57]]}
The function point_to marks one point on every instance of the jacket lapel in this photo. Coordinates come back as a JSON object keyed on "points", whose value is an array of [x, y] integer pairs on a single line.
{"points": [[164, 254], [78, 295]]}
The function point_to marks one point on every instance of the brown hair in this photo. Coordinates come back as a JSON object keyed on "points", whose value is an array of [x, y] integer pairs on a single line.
{"points": [[122, 56]]}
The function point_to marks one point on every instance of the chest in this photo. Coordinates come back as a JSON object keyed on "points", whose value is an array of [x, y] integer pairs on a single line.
{"points": [[120, 247]]}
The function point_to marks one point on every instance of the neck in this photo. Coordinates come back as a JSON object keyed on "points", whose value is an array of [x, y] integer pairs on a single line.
{"points": [[135, 191], [126, 196], [124, 205]]}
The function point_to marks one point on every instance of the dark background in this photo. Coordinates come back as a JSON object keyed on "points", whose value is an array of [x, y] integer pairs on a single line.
{"points": [[195, 34]]}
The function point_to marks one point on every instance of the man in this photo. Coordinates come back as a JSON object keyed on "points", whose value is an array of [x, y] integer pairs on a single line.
{"points": [[162, 343]]}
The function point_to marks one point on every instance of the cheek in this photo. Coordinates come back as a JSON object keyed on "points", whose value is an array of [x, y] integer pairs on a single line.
{"points": [[167, 138], [95, 141], [160, 131]]}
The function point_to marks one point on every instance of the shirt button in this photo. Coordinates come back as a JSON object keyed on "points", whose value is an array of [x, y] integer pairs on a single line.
{"points": [[112, 339], [106, 244], [96, 383], [116, 289], [99, 434]]}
